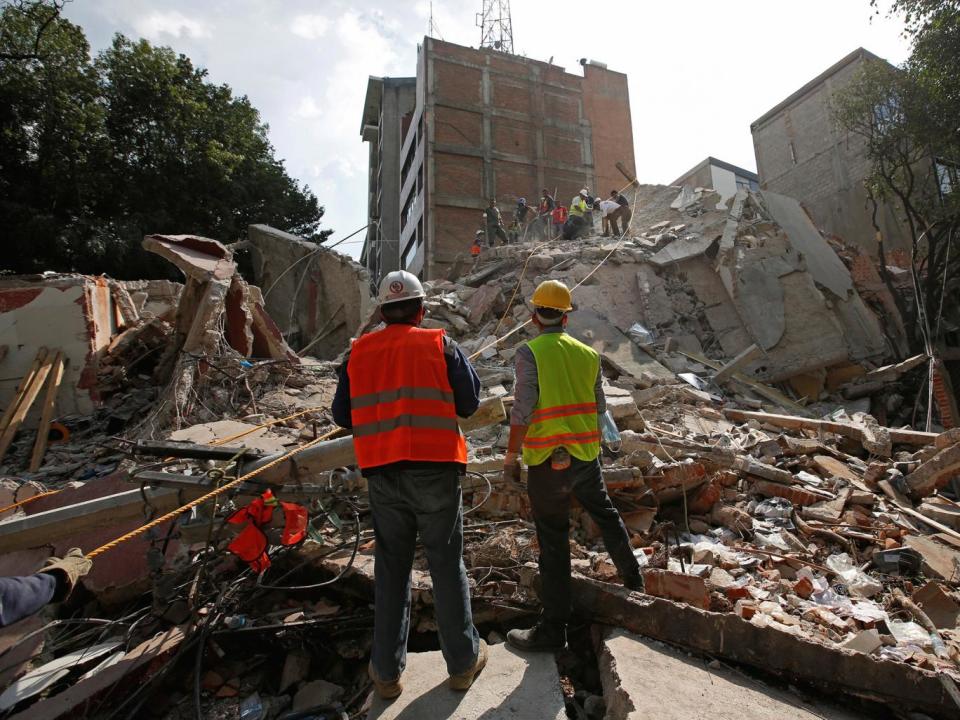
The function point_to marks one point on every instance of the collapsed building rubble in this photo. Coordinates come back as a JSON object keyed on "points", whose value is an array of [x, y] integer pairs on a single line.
{"points": [[787, 516]]}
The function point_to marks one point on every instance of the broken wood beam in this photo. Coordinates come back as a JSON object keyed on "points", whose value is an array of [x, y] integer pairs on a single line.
{"points": [[856, 432], [46, 415], [730, 637], [740, 361], [25, 401]]}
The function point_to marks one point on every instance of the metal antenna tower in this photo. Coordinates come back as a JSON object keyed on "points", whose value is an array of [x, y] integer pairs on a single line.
{"points": [[433, 30], [496, 27]]}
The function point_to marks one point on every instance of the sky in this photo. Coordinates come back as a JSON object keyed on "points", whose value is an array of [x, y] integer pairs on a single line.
{"points": [[700, 71]]}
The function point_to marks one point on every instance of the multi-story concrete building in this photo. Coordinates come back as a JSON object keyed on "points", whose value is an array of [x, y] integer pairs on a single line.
{"points": [[387, 112], [801, 153], [484, 124], [723, 177]]}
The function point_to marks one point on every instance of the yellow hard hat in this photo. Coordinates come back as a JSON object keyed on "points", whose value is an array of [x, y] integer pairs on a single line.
{"points": [[552, 294]]}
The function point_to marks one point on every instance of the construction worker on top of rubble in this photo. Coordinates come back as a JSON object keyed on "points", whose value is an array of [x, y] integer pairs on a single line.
{"points": [[23, 596], [612, 211], [545, 212], [401, 389], [494, 223], [577, 218], [555, 425]]}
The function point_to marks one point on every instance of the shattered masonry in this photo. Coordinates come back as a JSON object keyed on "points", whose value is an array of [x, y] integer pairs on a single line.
{"points": [[787, 516]]}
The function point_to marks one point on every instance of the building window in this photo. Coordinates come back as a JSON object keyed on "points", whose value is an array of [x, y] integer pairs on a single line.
{"points": [[948, 176]]}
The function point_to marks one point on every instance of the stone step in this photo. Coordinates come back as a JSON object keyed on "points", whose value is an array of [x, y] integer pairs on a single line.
{"points": [[514, 685]]}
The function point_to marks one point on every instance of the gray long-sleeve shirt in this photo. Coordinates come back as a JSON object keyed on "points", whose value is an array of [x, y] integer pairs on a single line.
{"points": [[526, 390]]}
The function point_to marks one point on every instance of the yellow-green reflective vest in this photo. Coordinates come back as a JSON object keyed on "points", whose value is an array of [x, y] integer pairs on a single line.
{"points": [[578, 206], [566, 413]]}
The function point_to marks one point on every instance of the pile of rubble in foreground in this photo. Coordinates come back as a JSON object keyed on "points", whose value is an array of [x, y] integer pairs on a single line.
{"points": [[787, 517]]}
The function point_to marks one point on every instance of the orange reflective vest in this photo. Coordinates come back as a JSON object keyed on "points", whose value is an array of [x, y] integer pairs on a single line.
{"points": [[251, 544], [401, 402], [566, 410]]}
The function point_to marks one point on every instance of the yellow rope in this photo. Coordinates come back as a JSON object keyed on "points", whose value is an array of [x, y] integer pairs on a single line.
{"points": [[224, 441], [204, 498], [29, 500]]}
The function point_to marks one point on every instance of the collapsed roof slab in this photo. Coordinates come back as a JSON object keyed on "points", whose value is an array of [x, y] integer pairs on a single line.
{"points": [[318, 297]]}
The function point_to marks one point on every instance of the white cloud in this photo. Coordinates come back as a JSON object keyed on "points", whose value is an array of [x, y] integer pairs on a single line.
{"points": [[172, 23], [311, 27], [308, 108]]}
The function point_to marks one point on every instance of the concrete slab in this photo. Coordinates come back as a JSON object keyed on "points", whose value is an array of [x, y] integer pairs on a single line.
{"points": [[513, 686], [644, 678]]}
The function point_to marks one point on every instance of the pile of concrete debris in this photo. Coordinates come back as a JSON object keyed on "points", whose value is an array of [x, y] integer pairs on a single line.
{"points": [[785, 518]]}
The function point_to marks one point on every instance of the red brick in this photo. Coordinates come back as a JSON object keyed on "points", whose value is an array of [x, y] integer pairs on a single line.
{"points": [[458, 174], [458, 127], [796, 495], [509, 95], [457, 84], [561, 106], [513, 137], [737, 593]]}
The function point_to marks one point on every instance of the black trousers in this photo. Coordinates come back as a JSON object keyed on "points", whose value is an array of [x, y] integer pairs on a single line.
{"points": [[550, 492]]}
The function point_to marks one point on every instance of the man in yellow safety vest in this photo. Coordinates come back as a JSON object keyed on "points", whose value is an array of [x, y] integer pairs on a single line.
{"points": [[554, 424]]}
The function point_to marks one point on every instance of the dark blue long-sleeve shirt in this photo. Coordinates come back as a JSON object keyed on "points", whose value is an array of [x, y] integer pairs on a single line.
{"points": [[23, 596], [463, 379]]}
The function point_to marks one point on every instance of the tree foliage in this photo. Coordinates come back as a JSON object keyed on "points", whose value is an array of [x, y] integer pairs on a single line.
{"points": [[908, 119], [97, 152]]}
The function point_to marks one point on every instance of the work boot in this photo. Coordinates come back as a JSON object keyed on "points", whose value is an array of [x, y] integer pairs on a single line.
{"points": [[634, 582], [463, 681], [544, 637], [387, 689]]}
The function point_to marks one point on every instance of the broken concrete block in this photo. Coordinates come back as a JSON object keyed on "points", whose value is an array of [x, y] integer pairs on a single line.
{"points": [[677, 586], [316, 692], [622, 407], [865, 641], [943, 610]]}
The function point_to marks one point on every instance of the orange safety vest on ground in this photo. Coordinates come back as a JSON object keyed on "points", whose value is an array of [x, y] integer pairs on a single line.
{"points": [[401, 402], [251, 544]]}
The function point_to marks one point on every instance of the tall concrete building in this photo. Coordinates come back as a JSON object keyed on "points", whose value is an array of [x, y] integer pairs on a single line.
{"points": [[484, 124], [801, 153]]}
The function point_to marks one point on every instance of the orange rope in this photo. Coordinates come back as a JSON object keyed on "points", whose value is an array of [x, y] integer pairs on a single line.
{"points": [[204, 498], [29, 500]]}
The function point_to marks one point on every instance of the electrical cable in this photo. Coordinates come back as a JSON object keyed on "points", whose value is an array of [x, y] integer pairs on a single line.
{"points": [[486, 497]]}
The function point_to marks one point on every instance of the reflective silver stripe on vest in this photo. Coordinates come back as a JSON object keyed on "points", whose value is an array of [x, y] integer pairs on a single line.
{"points": [[432, 422], [402, 393]]}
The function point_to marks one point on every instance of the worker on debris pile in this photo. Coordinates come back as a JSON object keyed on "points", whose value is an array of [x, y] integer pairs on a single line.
{"points": [[517, 230], [401, 389], [619, 198], [555, 424], [23, 596], [576, 223], [545, 212], [612, 211], [494, 223]]}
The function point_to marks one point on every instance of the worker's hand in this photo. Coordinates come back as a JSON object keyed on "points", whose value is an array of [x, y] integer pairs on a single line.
{"points": [[511, 468], [68, 569]]}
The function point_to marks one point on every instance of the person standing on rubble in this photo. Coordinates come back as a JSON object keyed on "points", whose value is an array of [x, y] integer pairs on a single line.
{"points": [[545, 212], [401, 390], [555, 426], [494, 223], [577, 217], [627, 214], [23, 596], [611, 212]]}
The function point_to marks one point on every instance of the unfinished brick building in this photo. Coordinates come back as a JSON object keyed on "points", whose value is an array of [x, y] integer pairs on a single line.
{"points": [[483, 124]]}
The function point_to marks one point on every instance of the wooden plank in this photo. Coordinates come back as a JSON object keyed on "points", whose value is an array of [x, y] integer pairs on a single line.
{"points": [[29, 396], [25, 382], [46, 416], [792, 422], [742, 359]]}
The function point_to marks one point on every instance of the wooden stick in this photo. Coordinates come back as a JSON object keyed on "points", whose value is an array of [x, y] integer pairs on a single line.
{"points": [[49, 402], [29, 396], [909, 437], [25, 382]]}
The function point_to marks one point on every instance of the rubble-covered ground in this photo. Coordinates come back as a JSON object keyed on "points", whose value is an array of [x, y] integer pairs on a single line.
{"points": [[790, 519]]}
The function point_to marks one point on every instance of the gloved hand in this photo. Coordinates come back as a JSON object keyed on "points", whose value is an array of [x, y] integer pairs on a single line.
{"points": [[68, 569], [511, 468]]}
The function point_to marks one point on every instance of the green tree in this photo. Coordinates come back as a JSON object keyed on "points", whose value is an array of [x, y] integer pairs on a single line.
{"points": [[907, 118], [96, 153]]}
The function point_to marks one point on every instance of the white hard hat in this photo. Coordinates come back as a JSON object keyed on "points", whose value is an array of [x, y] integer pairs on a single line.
{"points": [[584, 191], [398, 286]]}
